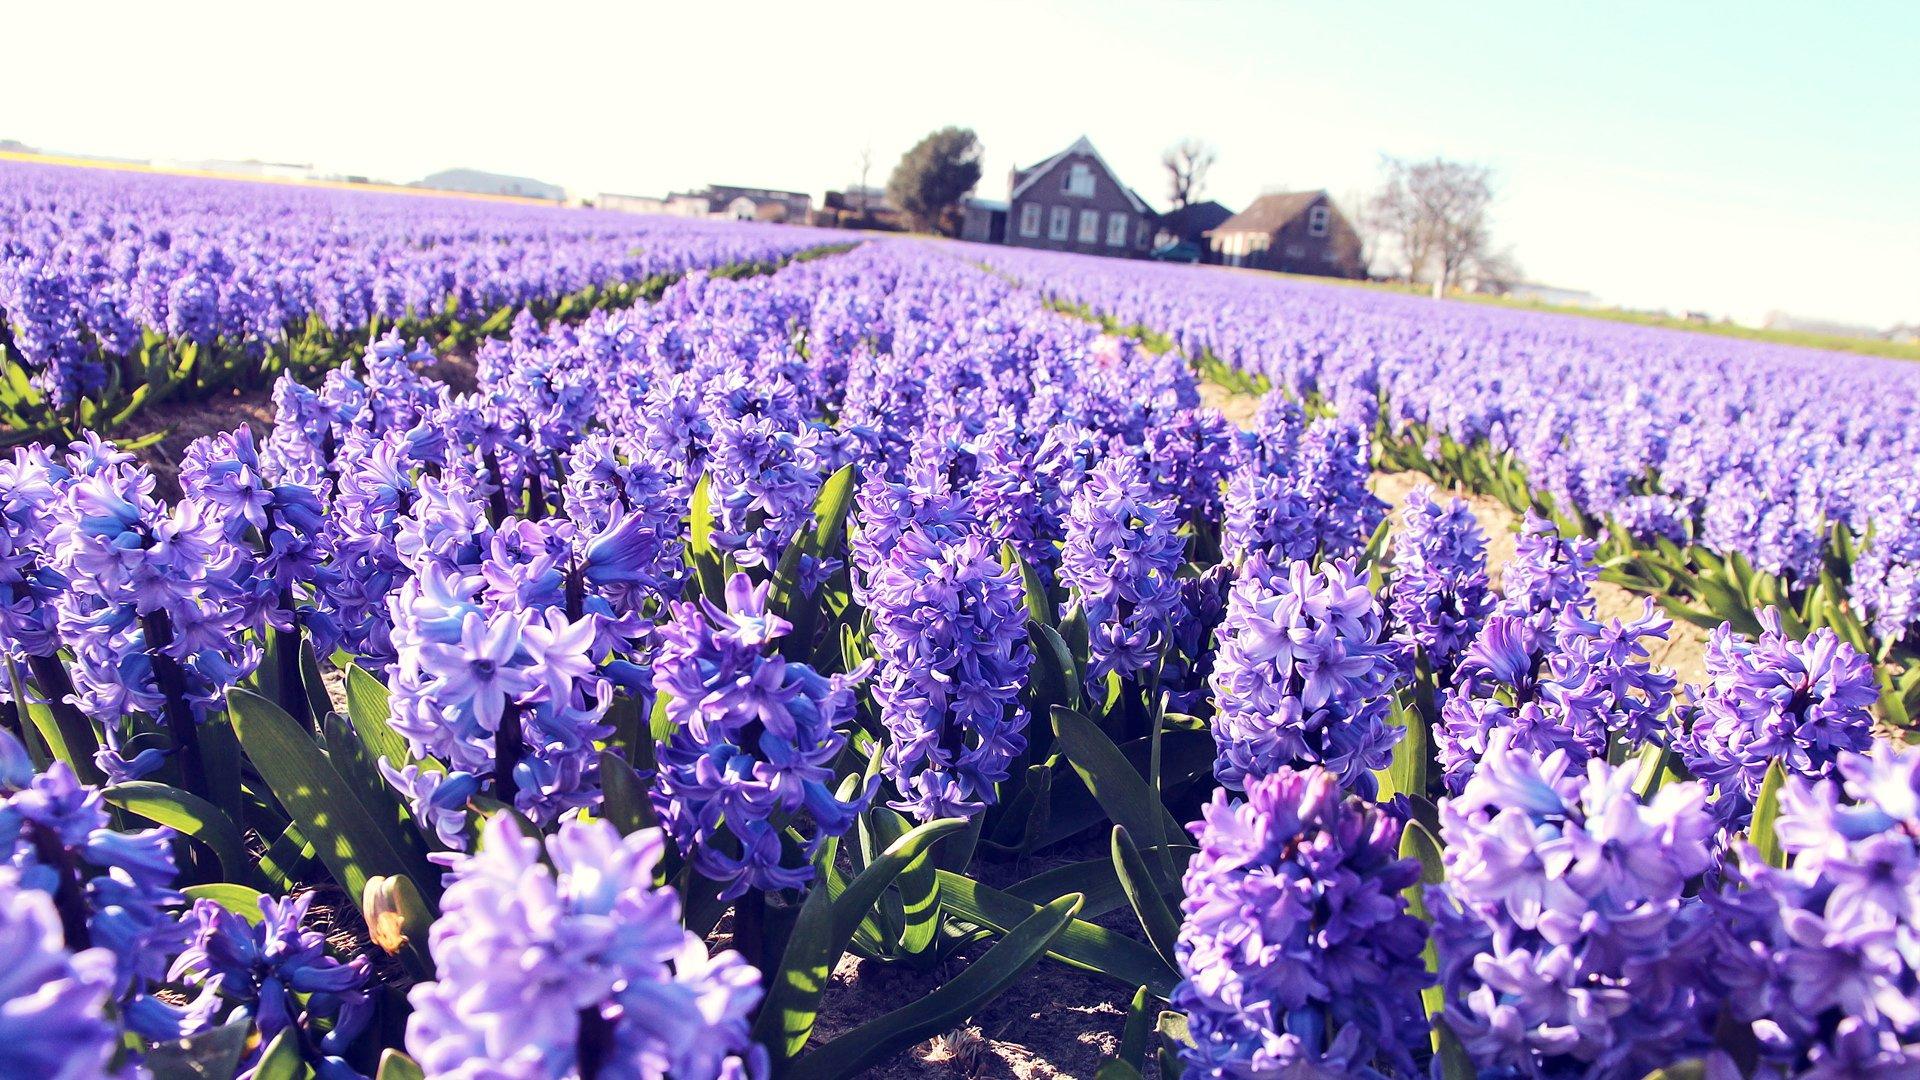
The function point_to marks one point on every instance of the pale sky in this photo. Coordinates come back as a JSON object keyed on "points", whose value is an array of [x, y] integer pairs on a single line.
{"points": [[1730, 157]]}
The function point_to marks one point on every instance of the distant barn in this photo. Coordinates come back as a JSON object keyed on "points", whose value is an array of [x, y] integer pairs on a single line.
{"points": [[1297, 232]]}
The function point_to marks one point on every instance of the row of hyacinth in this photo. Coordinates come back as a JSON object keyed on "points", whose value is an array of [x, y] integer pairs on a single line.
{"points": [[96, 261], [1578, 930], [1746, 447], [515, 563]]}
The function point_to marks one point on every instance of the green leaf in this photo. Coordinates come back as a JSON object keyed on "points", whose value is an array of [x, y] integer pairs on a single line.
{"points": [[1417, 842], [395, 1065], [1039, 608], [1454, 1062], [984, 979], [370, 708], [239, 899], [700, 518], [1052, 681], [1120, 789], [1082, 945], [1407, 775], [213, 1054], [68, 733], [1766, 812], [1133, 1037], [281, 1059], [354, 846], [917, 890], [1144, 896], [190, 815], [626, 803], [820, 935]]}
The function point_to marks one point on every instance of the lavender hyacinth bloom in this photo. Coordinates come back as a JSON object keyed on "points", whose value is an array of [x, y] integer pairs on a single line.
{"points": [[53, 1003], [754, 736], [1832, 942], [1121, 561], [1301, 676], [1548, 572], [1800, 702], [950, 634], [1439, 588], [1567, 943], [1298, 954], [578, 969]]}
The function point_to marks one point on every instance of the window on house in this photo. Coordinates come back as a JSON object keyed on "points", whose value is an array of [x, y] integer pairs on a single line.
{"points": [[1296, 251], [1116, 229], [1078, 180], [1089, 226], [1140, 234], [1030, 220], [1330, 256], [1059, 220], [1317, 219]]}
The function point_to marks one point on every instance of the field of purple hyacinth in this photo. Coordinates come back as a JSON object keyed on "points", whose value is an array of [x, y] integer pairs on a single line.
{"points": [[881, 614]]}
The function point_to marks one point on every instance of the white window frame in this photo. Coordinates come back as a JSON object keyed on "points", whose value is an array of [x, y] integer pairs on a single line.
{"points": [[1318, 219], [1078, 180], [1059, 222], [1116, 229], [1089, 227], [1030, 220]]}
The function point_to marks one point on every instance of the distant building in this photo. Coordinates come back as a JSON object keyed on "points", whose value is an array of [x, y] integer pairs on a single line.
{"points": [[741, 203], [631, 204], [983, 221], [1180, 234], [858, 200], [1073, 201], [475, 182], [1297, 232]]}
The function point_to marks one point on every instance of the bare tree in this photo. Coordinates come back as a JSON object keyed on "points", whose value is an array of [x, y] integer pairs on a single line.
{"points": [[1435, 213], [1187, 162], [1366, 228], [866, 166]]}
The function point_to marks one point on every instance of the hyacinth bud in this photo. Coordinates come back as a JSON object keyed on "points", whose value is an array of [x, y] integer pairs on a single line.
{"points": [[394, 910]]}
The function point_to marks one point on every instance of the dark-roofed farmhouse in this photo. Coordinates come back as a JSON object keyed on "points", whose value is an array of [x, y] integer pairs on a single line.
{"points": [[1299, 232], [1074, 202]]}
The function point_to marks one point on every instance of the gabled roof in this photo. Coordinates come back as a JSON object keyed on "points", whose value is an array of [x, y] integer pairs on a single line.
{"points": [[1024, 178], [1269, 213], [1194, 219]]}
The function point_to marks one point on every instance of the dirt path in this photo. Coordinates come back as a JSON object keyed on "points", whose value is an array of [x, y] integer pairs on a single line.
{"points": [[1685, 643]]}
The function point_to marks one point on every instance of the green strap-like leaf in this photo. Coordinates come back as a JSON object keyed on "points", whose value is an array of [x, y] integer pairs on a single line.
{"points": [[820, 935], [984, 979], [214, 1054], [1417, 842], [625, 795], [395, 1065], [189, 815], [239, 899], [1119, 787], [346, 836], [1763, 831], [281, 1059], [1144, 896], [1083, 945], [370, 709]]}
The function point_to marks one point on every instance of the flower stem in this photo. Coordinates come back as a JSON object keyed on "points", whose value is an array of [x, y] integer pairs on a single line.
{"points": [[179, 714], [509, 746]]}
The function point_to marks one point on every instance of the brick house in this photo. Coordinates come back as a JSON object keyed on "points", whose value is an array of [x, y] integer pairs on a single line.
{"points": [[1073, 201], [1298, 232]]}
